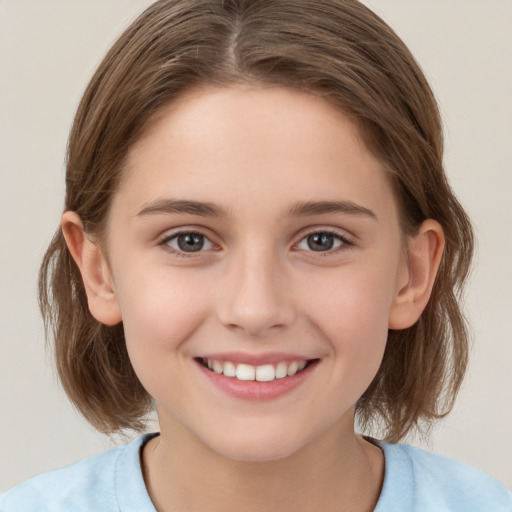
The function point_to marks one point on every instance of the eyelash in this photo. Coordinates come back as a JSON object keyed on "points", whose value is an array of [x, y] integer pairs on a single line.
{"points": [[177, 251], [344, 243]]}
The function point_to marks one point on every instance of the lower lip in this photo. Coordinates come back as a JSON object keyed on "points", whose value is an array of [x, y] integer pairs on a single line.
{"points": [[255, 390]]}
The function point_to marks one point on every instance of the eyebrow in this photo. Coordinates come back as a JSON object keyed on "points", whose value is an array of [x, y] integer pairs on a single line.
{"points": [[168, 206], [308, 208], [206, 209]]}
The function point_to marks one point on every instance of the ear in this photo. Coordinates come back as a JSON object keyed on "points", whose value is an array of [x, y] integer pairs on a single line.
{"points": [[94, 268], [417, 275]]}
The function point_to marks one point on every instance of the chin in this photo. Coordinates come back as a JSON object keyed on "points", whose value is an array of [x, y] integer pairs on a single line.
{"points": [[258, 447], [255, 453]]}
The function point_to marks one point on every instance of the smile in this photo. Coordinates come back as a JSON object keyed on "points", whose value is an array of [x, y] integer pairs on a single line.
{"points": [[247, 372]]}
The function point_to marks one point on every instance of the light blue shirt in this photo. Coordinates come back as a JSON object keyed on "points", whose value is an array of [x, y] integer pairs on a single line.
{"points": [[415, 481]]}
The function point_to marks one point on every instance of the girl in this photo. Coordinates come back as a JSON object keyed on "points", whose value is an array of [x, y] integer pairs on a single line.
{"points": [[259, 241]]}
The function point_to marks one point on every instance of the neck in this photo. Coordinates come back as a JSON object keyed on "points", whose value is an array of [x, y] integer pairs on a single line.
{"points": [[338, 472]]}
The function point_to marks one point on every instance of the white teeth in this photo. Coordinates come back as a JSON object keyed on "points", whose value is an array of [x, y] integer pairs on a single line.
{"points": [[263, 373], [245, 372], [282, 370], [229, 370], [292, 369]]}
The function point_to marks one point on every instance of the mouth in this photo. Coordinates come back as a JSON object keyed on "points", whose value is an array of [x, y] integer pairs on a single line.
{"points": [[260, 373]]}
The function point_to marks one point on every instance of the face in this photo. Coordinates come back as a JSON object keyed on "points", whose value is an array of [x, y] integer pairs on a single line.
{"points": [[253, 233]]}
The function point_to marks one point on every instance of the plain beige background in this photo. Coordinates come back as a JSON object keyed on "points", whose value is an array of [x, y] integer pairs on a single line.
{"points": [[48, 51]]}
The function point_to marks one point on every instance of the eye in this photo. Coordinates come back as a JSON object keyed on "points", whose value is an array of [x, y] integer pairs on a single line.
{"points": [[188, 242], [322, 241]]}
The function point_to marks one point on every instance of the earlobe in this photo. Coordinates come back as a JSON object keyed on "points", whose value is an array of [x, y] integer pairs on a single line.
{"points": [[425, 251], [95, 271]]}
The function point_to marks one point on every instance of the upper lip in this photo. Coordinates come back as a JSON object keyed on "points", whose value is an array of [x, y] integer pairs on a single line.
{"points": [[255, 359]]}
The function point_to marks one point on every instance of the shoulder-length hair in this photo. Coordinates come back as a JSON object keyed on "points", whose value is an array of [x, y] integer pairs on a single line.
{"points": [[338, 49]]}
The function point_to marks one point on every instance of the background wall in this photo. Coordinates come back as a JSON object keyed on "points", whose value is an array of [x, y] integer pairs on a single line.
{"points": [[48, 51]]}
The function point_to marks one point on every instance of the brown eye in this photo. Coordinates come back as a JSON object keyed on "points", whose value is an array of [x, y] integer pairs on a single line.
{"points": [[322, 242], [189, 242]]}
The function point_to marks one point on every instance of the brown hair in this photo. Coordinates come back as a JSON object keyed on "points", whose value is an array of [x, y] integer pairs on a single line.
{"points": [[336, 48]]}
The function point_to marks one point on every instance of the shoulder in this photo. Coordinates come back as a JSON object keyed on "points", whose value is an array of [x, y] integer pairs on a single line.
{"points": [[90, 485], [425, 481], [76, 487]]}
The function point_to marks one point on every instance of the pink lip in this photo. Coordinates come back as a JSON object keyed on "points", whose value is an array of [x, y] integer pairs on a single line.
{"points": [[254, 390]]}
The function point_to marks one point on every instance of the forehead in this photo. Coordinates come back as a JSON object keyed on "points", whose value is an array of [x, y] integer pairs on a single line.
{"points": [[239, 144]]}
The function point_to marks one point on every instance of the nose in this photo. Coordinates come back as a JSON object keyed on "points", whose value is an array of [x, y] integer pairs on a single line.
{"points": [[256, 297]]}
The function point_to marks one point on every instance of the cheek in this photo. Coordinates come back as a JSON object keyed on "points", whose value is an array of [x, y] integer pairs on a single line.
{"points": [[160, 311], [351, 310], [357, 299]]}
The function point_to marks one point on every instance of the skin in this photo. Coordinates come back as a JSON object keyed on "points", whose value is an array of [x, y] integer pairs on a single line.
{"points": [[257, 287]]}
